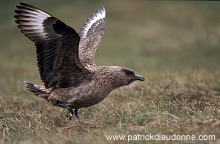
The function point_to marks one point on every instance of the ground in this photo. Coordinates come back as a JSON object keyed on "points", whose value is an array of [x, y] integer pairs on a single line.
{"points": [[174, 45]]}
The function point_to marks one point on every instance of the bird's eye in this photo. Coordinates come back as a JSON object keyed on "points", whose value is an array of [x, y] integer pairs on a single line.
{"points": [[128, 72]]}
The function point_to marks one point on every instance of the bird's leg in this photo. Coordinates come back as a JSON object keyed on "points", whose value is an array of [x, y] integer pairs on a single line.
{"points": [[70, 109], [70, 113], [76, 113]]}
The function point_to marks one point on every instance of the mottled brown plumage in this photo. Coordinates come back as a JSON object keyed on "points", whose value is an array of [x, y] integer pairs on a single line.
{"points": [[66, 59]]}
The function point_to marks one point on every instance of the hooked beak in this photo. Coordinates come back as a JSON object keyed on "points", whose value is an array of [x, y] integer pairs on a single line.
{"points": [[139, 77]]}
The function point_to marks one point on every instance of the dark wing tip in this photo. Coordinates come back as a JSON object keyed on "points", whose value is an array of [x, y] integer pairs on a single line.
{"points": [[21, 3], [17, 11], [24, 4], [102, 8]]}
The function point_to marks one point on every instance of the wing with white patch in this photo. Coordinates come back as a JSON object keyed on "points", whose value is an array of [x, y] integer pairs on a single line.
{"points": [[57, 47], [30, 20], [90, 36]]}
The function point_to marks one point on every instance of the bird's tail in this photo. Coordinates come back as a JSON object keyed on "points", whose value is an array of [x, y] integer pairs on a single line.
{"points": [[38, 90]]}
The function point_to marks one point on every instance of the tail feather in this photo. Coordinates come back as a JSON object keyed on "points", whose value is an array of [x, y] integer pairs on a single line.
{"points": [[38, 90]]}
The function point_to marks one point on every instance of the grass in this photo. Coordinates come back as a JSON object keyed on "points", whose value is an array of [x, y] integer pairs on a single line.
{"points": [[175, 45]]}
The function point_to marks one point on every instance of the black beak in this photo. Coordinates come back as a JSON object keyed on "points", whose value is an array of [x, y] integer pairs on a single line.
{"points": [[139, 77]]}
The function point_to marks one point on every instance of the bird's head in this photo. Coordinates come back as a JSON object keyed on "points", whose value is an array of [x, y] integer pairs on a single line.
{"points": [[129, 76], [120, 76]]}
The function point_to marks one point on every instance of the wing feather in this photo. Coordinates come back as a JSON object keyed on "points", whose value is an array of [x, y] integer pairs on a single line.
{"points": [[56, 47], [90, 36]]}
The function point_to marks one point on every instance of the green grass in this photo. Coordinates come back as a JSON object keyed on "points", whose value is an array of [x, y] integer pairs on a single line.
{"points": [[175, 45]]}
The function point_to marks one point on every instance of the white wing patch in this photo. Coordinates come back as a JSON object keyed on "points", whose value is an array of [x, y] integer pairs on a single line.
{"points": [[96, 16], [31, 20]]}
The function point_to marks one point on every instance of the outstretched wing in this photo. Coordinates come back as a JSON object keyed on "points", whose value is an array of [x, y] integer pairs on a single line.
{"points": [[56, 47], [90, 36]]}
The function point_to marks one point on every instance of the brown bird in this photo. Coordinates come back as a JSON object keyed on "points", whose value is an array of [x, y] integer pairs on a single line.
{"points": [[66, 62]]}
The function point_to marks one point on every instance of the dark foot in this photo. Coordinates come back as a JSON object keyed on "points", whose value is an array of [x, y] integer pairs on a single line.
{"points": [[69, 115], [70, 109]]}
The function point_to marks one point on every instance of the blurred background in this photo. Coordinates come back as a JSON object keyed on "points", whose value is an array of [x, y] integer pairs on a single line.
{"points": [[175, 45], [148, 36]]}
